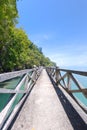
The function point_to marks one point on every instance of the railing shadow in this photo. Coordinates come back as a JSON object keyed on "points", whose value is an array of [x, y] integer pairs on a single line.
{"points": [[75, 119]]}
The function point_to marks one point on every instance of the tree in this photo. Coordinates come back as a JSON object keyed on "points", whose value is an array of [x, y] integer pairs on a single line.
{"points": [[16, 50], [8, 15]]}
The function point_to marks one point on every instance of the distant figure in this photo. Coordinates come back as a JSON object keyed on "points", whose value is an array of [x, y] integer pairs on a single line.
{"points": [[34, 66]]}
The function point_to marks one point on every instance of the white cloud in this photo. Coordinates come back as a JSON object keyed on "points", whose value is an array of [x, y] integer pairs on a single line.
{"points": [[65, 53], [64, 60]]}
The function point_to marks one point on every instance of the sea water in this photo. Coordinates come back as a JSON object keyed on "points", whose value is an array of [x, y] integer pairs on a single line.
{"points": [[12, 83], [5, 97], [83, 83]]}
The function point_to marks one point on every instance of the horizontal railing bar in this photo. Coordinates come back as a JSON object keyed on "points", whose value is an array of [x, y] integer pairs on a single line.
{"points": [[14, 74], [84, 73], [78, 90], [11, 91], [74, 71]]}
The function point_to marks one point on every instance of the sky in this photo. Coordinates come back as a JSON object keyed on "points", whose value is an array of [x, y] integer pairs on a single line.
{"points": [[59, 27]]}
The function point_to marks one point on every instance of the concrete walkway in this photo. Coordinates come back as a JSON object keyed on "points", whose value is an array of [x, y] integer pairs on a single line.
{"points": [[43, 109]]}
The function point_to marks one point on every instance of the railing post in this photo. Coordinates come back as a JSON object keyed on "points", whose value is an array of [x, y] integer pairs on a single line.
{"points": [[50, 71], [68, 81], [57, 75], [35, 72]]}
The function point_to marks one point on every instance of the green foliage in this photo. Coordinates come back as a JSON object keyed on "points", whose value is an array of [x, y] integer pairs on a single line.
{"points": [[16, 50], [8, 15]]}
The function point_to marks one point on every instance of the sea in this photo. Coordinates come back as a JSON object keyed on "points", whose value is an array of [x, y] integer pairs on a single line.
{"points": [[12, 83], [82, 81]]}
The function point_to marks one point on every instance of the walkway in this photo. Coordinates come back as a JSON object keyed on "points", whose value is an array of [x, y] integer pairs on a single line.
{"points": [[43, 110]]}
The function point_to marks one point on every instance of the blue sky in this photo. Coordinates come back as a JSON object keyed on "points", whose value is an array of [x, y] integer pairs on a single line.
{"points": [[59, 27]]}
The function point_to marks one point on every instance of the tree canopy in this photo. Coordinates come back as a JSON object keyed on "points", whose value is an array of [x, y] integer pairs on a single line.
{"points": [[16, 50]]}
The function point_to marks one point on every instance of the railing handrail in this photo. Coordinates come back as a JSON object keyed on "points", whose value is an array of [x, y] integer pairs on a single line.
{"points": [[13, 74], [55, 74], [28, 80], [84, 73]]}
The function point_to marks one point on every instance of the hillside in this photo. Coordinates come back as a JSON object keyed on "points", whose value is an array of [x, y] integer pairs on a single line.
{"points": [[16, 50]]}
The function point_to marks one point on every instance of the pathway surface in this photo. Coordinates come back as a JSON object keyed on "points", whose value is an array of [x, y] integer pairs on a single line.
{"points": [[43, 109]]}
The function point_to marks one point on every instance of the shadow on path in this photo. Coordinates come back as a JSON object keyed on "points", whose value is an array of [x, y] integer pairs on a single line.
{"points": [[75, 119]]}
